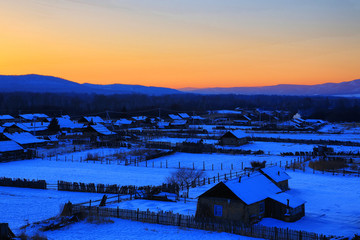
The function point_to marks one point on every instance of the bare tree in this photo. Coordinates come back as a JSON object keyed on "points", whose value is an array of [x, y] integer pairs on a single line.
{"points": [[185, 176]]}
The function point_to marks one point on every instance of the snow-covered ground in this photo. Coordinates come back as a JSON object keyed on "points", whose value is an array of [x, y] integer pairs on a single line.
{"points": [[198, 160], [20, 206], [52, 171], [126, 229]]}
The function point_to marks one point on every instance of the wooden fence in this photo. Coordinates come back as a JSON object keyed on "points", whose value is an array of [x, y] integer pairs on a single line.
{"points": [[24, 183], [306, 141], [169, 218]]}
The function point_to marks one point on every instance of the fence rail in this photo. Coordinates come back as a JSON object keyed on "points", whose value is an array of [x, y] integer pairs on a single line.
{"points": [[169, 218]]}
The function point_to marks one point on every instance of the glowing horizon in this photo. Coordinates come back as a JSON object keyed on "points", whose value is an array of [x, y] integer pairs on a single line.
{"points": [[181, 44]]}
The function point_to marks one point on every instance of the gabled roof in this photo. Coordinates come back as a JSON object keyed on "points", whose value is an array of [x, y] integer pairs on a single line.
{"points": [[193, 140], [251, 189], [8, 146], [33, 116], [175, 117], [275, 173], [101, 129], [237, 134], [283, 197], [23, 138], [123, 121], [65, 122], [94, 119], [184, 115]]}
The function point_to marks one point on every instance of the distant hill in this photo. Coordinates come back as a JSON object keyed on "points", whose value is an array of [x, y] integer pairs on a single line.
{"points": [[49, 84], [351, 88]]}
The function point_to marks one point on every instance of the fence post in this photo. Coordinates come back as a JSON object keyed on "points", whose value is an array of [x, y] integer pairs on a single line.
{"points": [[218, 177], [203, 165], [221, 166], [212, 167], [179, 165], [117, 212], [166, 163], [242, 165]]}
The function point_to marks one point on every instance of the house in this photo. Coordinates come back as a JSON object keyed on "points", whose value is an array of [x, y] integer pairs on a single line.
{"points": [[40, 117], [123, 122], [25, 139], [184, 115], [91, 120], [278, 176], [6, 118], [181, 123], [174, 117], [233, 138], [247, 200], [10, 150], [37, 128], [98, 133]]}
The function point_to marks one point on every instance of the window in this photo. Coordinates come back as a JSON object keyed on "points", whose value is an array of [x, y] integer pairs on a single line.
{"points": [[261, 207], [218, 210]]}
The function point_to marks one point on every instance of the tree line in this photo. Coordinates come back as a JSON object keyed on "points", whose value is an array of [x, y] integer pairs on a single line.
{"points": [[326, 108]]}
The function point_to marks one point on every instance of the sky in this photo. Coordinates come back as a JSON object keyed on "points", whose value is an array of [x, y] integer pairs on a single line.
{"points": [[182, 43]]}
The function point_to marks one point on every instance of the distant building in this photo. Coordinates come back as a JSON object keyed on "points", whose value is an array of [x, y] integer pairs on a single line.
{"points": [[278, 176], [233, 138]]}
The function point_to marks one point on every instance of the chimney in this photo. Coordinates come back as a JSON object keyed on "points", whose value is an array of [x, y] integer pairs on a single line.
{"points": [[240, 179], [288, 203]]}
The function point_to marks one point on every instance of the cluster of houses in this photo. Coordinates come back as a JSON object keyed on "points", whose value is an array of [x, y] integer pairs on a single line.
{"points": [[250, 198]]}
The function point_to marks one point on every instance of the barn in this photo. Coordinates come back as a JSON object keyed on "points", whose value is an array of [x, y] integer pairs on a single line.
{"points": [[247, 200]]}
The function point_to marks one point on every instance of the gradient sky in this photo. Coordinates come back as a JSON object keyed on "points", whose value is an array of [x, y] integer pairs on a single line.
{"points": [[182, 43]]}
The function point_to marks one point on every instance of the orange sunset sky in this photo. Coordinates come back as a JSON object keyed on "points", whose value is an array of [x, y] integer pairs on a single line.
{"points": [[182, 43]]}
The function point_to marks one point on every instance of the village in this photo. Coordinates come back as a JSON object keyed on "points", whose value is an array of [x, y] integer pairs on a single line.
{"points": [[242, 172]]}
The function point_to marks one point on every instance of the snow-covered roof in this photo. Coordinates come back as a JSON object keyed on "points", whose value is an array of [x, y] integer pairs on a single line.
{"points": [[178, 122], [239, 133], [184, 115], [33, 116], [174, 117], [163, 124], [227, 112], [193, 140], [33, 126], [283, 197], [276, 173], [101, 129], [123, 121], [6, 117], [197, 118], [23, 138], [252, 189], [8, 146], [94, 119], [139, 118], [65, 122]]}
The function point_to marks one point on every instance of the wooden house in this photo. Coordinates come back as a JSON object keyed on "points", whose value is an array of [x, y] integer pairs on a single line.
{"points": [[277, 176], [39, 117], [91, 120], [10, 150], [247, 200], [25, 139], [6, 118], [99, 133], [233, 138]]}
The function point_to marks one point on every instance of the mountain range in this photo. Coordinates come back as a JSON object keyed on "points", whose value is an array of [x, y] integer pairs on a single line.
{"points": [[41, 84]]}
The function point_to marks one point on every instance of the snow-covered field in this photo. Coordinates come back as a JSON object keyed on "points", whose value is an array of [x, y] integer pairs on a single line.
{"points": [[126, 229], [332, 203], [20, 206], [187, 160], [52, 171]]}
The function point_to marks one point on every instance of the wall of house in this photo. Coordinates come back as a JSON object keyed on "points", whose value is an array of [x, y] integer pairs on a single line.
{"points": [[283, 185], [232, 210]]}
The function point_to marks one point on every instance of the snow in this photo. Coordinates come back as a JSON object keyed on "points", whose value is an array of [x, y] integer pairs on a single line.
{"points": [[23, 205], [6, 117], [283, 197], [175, 117], [126, 229], [332, 203], [252, 189], [8, 146], [23, 138], [33, 116], [99, 128], [276, 173], [94, 119]]}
